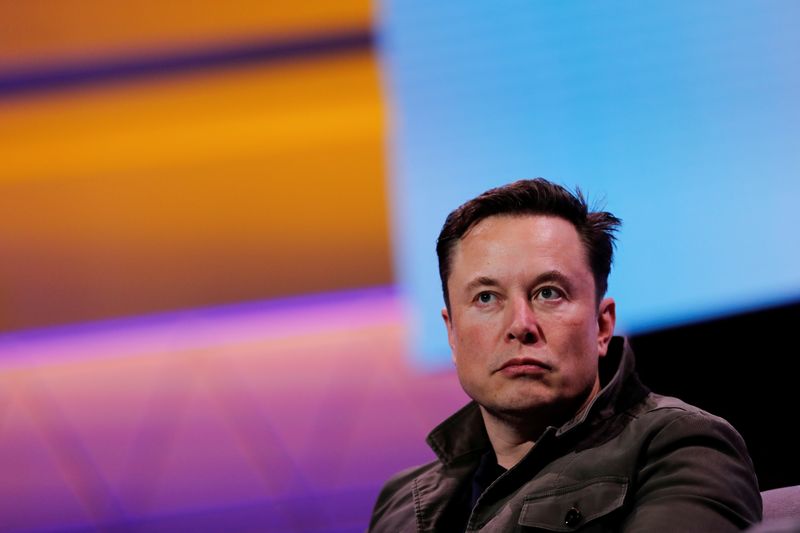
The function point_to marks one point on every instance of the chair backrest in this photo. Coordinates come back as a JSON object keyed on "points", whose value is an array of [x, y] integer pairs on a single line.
{"points": [[781, 511], [781, 503]]}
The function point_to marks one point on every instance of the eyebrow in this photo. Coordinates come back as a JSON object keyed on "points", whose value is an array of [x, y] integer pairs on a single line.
{"points": [[550, 275], [481, 281], [555, 276]]}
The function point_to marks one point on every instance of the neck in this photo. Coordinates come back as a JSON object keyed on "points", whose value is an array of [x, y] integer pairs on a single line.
{"points": [[512, 436], [510, 445]]}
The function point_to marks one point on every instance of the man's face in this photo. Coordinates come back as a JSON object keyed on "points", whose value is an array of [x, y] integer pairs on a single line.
{"points": [[524, 325]]}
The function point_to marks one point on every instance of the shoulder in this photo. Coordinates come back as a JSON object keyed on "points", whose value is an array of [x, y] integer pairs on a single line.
{"points": [[691, 461], [665, 417], [657, 405], [664, 425], [406, 477], [395, 501]]}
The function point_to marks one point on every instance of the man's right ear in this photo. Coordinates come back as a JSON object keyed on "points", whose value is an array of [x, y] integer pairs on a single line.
{"points": [[448, 323]]}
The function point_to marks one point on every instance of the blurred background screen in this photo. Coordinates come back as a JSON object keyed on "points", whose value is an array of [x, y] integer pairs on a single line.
{"points": [[219, 301], [680, 119]]}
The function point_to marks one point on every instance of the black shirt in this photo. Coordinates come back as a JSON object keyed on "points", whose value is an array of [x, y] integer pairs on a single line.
{"points": [[461, 507]]}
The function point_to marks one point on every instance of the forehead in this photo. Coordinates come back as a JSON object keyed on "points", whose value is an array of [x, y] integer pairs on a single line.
{"points": [[511, 240]]}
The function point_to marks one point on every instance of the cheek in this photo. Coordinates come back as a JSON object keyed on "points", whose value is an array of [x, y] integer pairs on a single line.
{"points": [[472, 332], [477, 327], [473, 344], [465, 348], [574, 327]]}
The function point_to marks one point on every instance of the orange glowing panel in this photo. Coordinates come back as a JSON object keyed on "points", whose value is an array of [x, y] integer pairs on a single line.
{"points": [[203, 188], [42, 31]]}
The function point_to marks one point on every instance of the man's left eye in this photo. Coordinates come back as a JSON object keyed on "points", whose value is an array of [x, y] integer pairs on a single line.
{"points": [[549, 293]]}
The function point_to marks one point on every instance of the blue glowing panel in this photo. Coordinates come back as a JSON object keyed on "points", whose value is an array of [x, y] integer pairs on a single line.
{"points": [[682, 117]]}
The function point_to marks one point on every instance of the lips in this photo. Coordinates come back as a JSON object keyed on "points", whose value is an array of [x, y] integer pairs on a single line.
{"points": [[524, 362]]}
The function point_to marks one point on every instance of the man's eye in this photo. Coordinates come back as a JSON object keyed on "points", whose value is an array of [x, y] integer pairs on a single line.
{"points": [[549, 293], [485, 297]]}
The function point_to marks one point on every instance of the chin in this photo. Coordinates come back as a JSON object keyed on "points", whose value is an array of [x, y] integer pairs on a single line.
{"points": [[555, 410], [520, 406]]}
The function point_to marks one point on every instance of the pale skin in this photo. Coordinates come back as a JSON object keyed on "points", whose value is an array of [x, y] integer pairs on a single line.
{"points": [[525, 326]]}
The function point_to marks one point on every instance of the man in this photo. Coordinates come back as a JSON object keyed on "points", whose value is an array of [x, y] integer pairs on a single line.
{"points": [[561, 434]]}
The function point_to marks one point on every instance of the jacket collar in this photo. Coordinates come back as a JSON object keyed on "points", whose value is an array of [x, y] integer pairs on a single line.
{"points": [[464, 433]]}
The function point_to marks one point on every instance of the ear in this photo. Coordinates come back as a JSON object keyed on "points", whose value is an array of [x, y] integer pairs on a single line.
{"points": [[448, 322], [606, 319]]}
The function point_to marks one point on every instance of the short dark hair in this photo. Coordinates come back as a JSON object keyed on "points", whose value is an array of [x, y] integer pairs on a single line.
{"points": [[534, 197]]}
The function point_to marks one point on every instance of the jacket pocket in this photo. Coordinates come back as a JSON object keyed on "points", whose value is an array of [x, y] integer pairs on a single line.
{"points": [[571, 507]]}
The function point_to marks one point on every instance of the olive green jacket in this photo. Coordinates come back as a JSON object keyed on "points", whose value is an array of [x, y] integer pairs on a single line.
{"points": [[631, 461]]}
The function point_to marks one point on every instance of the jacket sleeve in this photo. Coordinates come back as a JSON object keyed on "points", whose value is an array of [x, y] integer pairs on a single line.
{"points": [[695, 475]]}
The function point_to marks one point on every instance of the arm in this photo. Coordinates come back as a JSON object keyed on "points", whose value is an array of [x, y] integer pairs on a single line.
{"points": [[695, 475]]}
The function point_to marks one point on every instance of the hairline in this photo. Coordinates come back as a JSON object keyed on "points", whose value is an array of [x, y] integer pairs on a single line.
{"points": [[521, 214]]}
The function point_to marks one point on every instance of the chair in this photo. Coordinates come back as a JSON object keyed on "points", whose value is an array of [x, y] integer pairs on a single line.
{"points": [[781, 503], [781, 511]]}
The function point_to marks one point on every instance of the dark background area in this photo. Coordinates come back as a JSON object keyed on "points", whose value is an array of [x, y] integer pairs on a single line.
{"points": [[743, 368]]}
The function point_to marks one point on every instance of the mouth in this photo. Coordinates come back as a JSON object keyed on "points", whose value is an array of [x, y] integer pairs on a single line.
{"points": [[523, 365]]}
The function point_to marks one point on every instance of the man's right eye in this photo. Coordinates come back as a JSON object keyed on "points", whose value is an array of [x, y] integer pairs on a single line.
{"points": [[485, 297]]}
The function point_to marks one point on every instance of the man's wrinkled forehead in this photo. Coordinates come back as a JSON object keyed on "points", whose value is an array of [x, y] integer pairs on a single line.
{"points": [[480, 226]]}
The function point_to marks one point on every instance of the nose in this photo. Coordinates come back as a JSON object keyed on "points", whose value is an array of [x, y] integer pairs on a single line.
{"points": [[523, 326]]}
